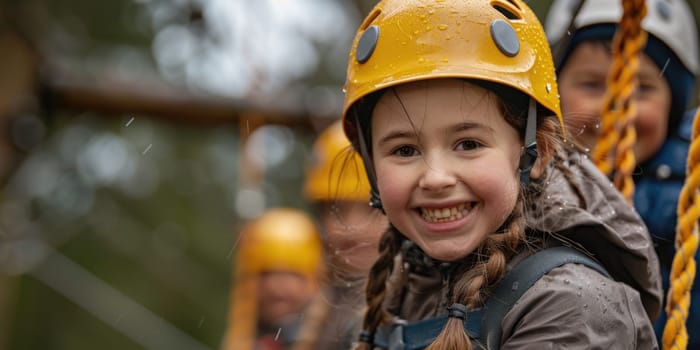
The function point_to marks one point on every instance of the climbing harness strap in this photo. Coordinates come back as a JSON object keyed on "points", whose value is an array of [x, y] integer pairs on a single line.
{"points": [[484, 324], [520, 279]]}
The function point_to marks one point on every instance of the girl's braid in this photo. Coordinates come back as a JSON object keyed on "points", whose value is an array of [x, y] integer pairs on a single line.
{"points": [[472, 287], [389, 246]]}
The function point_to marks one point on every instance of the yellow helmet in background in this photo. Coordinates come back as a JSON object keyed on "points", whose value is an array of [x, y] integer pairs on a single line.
{"points": [[336, 171], [498, 41], [281, 239]]}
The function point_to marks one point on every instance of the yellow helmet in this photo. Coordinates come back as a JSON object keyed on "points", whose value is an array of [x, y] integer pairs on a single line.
{"points": [[281, 239], [499, 41], [336, 171]]}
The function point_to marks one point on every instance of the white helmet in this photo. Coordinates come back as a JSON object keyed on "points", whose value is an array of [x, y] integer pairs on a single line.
{"points": [[670, 21]]}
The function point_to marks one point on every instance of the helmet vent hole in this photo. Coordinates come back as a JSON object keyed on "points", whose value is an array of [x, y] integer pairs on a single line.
{"points": [[372, 16], [508, 8]]}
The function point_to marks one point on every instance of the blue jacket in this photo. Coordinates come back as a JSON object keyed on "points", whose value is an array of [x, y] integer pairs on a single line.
{"points": [[657, 188]]}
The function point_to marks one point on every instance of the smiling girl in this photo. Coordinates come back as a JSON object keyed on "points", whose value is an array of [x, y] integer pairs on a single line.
{"points": [[501, 235]]}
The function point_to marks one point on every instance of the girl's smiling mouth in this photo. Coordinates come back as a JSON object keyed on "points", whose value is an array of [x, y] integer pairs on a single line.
{"points": [[437, 215]]}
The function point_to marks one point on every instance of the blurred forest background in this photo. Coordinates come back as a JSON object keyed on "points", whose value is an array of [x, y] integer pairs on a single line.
{"points": [[136, 137]]}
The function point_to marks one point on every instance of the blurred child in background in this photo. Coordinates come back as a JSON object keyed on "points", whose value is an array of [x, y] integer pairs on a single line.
{"points": [[337, 187], [668, 68], [278, 263]]}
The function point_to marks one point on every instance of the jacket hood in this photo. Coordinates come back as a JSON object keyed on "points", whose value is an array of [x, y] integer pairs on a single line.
{"points": [[584, 209]]}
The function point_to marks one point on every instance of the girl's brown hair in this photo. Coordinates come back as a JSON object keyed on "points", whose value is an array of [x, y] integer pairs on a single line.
{"points": [[487, 264]]}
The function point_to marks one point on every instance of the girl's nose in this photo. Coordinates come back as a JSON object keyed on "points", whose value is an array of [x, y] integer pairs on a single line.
{"points": [[437, 177]]}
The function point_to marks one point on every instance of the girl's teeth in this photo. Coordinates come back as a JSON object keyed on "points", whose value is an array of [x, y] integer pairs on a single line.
{"points": [[444, 214]]}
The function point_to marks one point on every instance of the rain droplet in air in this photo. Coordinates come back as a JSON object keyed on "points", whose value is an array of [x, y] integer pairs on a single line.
{"points": [[129, 122], [278, 333], [663, 70]]}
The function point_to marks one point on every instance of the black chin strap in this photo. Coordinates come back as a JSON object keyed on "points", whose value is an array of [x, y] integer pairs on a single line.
{"points": [[374, 200], [529, 155]]}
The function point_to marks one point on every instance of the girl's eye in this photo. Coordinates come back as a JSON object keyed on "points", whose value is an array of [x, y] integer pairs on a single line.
{"points": [[594, 85], [467, 145], [646, 88], [405, 151]]}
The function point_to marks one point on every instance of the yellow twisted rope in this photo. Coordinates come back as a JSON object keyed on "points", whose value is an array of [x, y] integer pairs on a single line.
{"points": [[683, 267], [617, 137]]}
